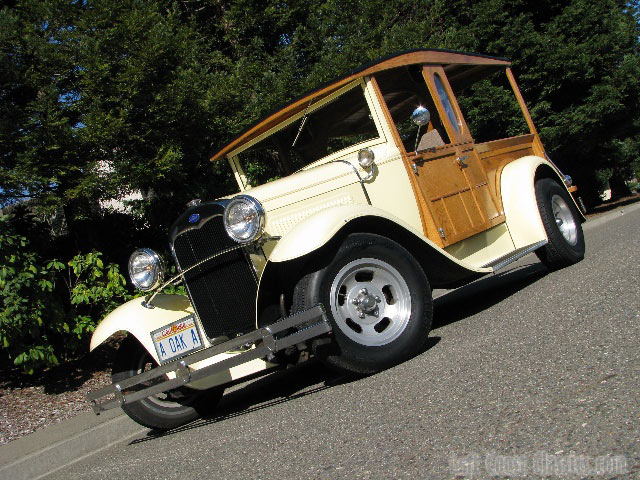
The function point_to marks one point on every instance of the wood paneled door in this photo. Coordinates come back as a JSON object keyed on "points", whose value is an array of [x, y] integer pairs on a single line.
{"points": [[451, 177]]}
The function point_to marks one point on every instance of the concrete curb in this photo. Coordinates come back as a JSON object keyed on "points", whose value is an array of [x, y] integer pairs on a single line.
{"points": [[613, 214], [46, 451]]}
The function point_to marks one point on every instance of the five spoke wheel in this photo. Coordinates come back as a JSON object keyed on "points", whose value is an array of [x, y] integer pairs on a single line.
{"points": [[370, 301]]}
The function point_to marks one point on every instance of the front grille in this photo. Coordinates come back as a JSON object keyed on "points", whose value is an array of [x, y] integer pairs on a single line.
{"points": [[223, 289]]}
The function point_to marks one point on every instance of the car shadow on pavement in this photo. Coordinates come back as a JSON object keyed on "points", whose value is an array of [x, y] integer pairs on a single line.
{"points": [[277, 388], [312, 377], [484, 293]]}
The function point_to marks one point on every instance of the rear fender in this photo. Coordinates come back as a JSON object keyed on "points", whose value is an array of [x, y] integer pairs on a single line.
{"points": [[517, 186]]}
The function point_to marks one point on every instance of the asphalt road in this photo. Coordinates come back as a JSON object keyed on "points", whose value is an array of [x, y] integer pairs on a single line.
{"points": [[528, 372]]}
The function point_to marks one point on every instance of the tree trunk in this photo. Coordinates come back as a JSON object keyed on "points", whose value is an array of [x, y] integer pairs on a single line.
{"points": [[618, 186]]}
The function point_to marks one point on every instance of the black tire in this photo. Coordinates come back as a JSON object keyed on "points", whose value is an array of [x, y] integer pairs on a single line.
{"points": [[162, 411], [394, 329], [562, 223]]}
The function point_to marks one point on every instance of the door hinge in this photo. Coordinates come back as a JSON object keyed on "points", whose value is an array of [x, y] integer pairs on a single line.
{"points": [[441, 231], [415, 168], [461, 160]]}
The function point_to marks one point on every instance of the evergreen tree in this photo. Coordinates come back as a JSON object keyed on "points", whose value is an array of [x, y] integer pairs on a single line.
{"points": [[100, 98], [38, 94]]}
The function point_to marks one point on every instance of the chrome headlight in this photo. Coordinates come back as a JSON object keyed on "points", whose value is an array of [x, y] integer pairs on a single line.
{"points": [[366, 158], [244, 219], [146, 269]]}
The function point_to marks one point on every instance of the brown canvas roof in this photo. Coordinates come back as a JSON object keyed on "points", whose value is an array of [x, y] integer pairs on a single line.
{"points": [[462, 69]]}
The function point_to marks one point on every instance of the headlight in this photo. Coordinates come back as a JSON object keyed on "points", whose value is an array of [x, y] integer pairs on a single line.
{"points": [[146, 269], [365, 158], [244, 219]]}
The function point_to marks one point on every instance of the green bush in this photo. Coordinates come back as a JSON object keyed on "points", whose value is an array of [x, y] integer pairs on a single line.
{"points": [[49, 308]]}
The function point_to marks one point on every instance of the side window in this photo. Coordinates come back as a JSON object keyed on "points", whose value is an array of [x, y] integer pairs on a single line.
{"points": [[339, 124], [446, 103], [403, 90]]}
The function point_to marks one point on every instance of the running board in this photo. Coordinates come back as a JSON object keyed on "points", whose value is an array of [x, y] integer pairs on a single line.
{"points": [[503, 261], [309, 324]]}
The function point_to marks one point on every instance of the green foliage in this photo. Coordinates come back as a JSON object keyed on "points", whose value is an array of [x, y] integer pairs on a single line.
{"points": [[578, 66], [39, 153], [102, 98], [49, 308], [24, 287], [175, 288]]}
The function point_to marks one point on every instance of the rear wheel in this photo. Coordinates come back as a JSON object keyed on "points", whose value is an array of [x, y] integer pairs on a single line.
{"points": [[378, 300], [562, 224], [165, 410]]}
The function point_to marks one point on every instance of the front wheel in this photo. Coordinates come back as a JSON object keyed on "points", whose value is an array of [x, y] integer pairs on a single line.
{"points": [[165, 410], [378, 300], [562, 224]]}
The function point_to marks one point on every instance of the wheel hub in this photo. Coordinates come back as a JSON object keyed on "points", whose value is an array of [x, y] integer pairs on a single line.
{"points": [[370, 301], [366, 303]]}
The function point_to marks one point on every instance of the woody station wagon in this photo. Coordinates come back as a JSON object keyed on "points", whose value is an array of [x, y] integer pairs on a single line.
{"points": [[370, 192]]}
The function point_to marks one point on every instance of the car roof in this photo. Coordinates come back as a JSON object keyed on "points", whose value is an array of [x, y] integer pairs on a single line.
{"points": [[461, 68]]}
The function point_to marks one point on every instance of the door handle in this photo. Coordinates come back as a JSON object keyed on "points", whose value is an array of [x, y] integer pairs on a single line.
{"points": [[461, 160]]}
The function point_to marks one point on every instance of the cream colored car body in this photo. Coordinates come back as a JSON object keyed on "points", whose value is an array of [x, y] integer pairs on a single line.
{"points": [[306, 210], [135, 319]]}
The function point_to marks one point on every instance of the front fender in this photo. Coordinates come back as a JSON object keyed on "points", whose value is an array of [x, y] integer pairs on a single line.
{"points": [[139, 321], [315, 231]]}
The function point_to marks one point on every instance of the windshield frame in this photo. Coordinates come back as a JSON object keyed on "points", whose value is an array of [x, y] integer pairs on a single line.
{"points": [[363, 83]]}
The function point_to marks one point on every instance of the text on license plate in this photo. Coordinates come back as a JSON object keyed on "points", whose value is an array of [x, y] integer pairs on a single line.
{"points": [[177, 339]]}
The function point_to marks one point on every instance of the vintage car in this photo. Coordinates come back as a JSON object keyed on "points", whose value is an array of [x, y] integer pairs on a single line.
{"points": [[354, 202]]}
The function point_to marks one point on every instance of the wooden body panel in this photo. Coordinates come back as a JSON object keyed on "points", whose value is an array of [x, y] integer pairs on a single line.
{"points": [[496, 154], [466, 201], [452, 178], [460, 183], [460, 200]]}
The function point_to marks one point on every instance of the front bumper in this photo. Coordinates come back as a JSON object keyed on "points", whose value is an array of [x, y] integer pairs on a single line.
{"points": [[267, 340]]}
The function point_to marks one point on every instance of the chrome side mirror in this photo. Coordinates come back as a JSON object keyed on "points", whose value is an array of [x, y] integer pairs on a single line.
{"points": [[420, 117]]}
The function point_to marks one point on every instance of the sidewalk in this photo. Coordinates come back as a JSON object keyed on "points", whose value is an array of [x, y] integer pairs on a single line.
{"points": [[50, 449]]}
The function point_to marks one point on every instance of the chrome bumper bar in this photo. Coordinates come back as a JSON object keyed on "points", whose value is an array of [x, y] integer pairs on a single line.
{"points": [[310, 323]]}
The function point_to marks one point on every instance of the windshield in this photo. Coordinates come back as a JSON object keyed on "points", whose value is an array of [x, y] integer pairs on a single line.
{"points": [[341, 123]]}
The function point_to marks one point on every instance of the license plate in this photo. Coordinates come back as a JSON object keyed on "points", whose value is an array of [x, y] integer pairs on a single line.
{"points": [[177, 339]]}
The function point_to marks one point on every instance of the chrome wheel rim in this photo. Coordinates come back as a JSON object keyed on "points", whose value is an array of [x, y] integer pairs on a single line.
{"points": [[370, 302], [564, 219]]}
